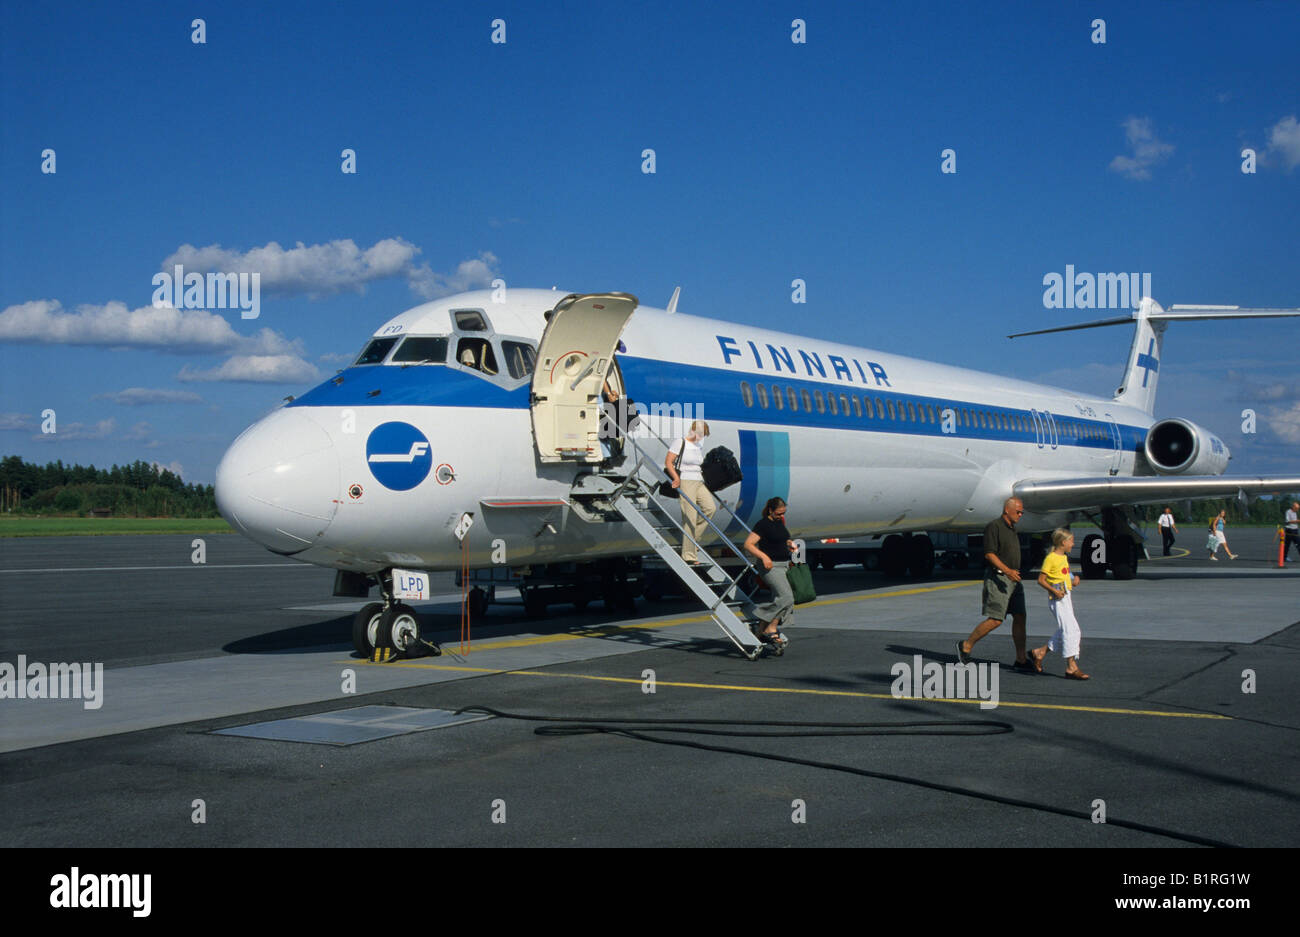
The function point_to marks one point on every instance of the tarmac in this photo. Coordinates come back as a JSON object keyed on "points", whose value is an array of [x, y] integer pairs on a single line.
{"points": [[1183, 736]]}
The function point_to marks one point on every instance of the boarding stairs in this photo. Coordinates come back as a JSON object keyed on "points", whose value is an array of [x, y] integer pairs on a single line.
{"points": [[632, 494]]}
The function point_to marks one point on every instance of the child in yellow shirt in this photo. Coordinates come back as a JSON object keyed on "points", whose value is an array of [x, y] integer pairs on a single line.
{"points": [[1056, 578]]}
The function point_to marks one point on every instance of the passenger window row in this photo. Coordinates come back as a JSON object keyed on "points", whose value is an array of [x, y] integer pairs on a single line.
{"points": [[905, 411]]}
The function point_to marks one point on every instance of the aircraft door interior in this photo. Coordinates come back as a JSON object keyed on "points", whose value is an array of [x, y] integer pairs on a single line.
{"points": [[575, 359]]}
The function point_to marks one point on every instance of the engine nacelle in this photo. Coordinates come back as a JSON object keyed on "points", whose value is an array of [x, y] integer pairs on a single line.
{"points": [[1180, 447]]}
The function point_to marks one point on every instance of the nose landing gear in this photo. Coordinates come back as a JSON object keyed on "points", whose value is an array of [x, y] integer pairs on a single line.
{"points": [[388, 630]]}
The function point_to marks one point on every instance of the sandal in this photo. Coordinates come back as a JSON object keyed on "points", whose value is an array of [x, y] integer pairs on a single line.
{"points": [[1076, 675], [1036, 661]]}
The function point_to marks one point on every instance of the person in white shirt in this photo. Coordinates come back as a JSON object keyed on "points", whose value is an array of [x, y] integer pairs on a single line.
{"points": [[1292, 530], [1167, 529], [685, 456]]}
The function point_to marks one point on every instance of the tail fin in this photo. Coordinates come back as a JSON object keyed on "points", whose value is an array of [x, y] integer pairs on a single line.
{"points": [[1139, 386]]}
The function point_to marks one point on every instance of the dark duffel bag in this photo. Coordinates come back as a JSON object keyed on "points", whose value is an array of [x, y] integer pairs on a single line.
{"points": [[720, 469]]}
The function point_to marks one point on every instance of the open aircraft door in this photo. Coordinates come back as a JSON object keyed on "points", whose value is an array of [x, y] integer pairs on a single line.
{"points": [[572, 362]]}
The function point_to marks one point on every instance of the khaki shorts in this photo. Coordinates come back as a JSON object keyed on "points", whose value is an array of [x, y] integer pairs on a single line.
{"points": [[1002, 597]]}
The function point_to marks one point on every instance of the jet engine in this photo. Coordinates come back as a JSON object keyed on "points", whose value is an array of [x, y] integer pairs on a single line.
{"points": [[1180, 447]]}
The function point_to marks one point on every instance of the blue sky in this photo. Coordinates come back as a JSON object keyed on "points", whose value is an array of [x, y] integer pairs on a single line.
{"points": [[774, 160]]}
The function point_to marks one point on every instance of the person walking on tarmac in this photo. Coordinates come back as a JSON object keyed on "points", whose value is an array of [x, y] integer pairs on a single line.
{"points": [[769, 542], [1292, 530], [1217, 538], [1003, 593], [1167, 529]]}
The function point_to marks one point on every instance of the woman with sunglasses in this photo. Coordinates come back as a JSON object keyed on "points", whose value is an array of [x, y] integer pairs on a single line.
{"points": [[769, 542]]}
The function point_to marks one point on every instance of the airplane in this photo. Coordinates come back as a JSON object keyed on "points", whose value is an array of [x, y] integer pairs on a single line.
{"points": [[469, 431]]}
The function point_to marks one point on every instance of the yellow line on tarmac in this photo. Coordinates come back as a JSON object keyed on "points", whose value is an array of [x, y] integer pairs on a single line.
{"points": [[1173, 557], [601, 631], [800, 691]]}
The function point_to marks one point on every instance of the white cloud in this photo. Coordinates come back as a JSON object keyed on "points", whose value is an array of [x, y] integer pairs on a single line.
{"points": [[256, 369], [335, 267], [65, 431], [316, 269], [1148, 150], [469, 275], [1284, 422], [15, 421], [141, 396], [331, 357], [1283, 143], [178, 331], [174, 467], [138, 432]]}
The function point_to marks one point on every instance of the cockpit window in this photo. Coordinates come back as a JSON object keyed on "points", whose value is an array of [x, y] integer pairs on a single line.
{"points": [[376, 351], [520, 358], [422, 350], [477, 353], [470, 320]]}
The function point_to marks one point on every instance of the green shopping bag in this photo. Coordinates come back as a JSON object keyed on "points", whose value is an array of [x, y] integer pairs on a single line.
{"points": [[800, 577]]}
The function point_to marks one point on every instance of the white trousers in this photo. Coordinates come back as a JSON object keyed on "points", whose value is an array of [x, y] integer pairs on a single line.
{"points": [[1067, 636]]}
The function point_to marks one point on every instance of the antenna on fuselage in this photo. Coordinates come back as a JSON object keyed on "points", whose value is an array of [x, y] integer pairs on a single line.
{"points": [[672, 303]]}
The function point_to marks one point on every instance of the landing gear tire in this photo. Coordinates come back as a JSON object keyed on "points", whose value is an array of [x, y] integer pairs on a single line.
{"points": [[1125, 566], [478, 602], [365, 628], [893, 556], [1089, 568], [580, 605], [534, 604], [920, 557], [399, 628]]}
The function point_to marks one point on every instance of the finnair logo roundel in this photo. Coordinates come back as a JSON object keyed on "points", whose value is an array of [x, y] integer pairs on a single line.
{"points": [[398, 455]]}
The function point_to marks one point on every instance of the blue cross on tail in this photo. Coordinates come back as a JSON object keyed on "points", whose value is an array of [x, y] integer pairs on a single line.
{"points": [[1148, 362]]}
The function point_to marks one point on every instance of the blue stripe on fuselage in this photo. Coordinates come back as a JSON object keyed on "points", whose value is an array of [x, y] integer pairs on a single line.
{"points": [[765, 465], [716, 390], [416, 386]]}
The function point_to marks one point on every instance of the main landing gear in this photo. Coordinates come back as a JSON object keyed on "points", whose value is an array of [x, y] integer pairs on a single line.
{"points": [[388, 630], [910, 555], [1116, 548]]}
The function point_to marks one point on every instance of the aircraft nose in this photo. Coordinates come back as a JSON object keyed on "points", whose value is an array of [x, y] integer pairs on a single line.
{"points": [[279, 481]]}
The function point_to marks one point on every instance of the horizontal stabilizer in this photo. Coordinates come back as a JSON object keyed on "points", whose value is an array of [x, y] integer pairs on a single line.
{"points": [[1082, 494], [1172, 314]]}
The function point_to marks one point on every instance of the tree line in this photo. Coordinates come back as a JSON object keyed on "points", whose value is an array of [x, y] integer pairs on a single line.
{"points": [[140, 489]]}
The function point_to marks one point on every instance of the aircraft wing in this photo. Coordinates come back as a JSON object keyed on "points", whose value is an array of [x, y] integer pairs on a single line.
{"points": [[1078, 494]]}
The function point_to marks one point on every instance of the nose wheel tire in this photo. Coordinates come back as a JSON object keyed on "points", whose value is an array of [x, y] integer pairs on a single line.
{"points": [[398, 628], [365, 628]]}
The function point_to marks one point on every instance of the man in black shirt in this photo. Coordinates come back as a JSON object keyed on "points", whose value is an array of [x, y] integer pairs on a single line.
{"points": [[1003, 593]]}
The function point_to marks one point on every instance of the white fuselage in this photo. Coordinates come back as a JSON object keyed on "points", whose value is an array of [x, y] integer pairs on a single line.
{"points": [[375, 467]]}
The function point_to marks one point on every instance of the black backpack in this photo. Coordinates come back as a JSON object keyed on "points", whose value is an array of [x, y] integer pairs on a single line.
{"points": [[720, 469]]}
